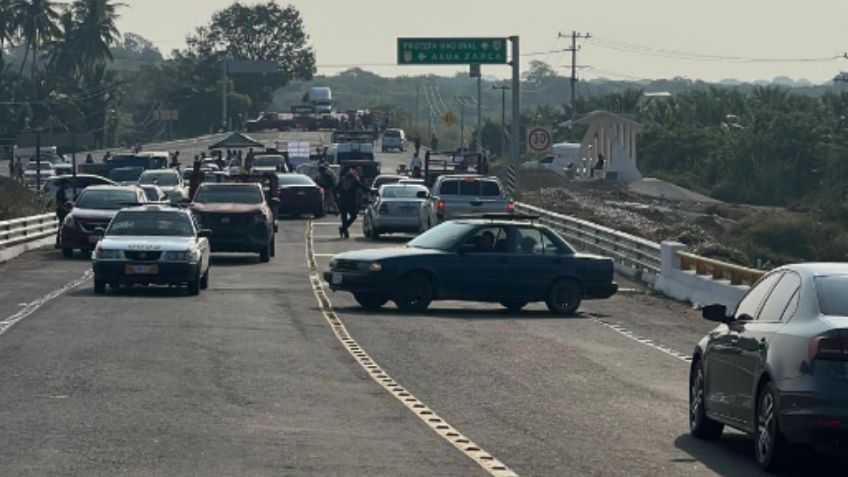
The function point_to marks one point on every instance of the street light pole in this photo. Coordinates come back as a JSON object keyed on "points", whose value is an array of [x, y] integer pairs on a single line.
{"points": [[504, 89]]}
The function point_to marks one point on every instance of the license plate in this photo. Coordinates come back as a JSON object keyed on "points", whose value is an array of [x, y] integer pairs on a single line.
{"points": [[337, 279], [142, 269], [93, 239], [301, 193]]}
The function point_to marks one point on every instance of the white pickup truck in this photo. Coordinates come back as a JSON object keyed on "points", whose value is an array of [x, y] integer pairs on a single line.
{"points": [[468, 195]]}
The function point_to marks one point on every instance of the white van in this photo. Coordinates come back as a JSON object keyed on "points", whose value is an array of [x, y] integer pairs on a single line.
{"points": [[394, 139]]}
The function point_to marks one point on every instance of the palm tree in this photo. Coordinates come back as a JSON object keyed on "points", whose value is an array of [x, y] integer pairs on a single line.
{"points": [[8, 25], [38, 25], [94, 32]]}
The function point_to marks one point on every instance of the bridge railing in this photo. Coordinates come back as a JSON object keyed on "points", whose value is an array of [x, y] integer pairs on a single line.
{"points": [[719, 270], [27, 229]]}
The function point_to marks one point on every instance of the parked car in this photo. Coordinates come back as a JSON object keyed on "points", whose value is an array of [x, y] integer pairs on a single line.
{"points": [[394, 139], [298, 194], [33, 170], [397, 209], [463, 195], [95, 207], [777, 367], [491, 259], [239, 217], [152, 245], [269, 163]]}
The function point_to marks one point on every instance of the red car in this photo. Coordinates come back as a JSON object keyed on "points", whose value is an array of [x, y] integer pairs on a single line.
{"points": [[94, 209]]}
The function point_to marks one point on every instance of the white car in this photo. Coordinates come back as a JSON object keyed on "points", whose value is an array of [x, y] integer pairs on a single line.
{"points": [[397, 208], [394, 139], [152, 245], [31, 172], [169, 180]]}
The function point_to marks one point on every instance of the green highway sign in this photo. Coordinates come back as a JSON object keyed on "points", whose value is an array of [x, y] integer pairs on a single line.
{"points": [[452, 51]]}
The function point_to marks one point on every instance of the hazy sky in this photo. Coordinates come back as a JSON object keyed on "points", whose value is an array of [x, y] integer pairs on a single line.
{"points": [[364, 32]]}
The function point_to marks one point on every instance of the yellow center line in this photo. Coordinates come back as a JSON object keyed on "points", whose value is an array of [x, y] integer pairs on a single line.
{"points": [[429, 417]]}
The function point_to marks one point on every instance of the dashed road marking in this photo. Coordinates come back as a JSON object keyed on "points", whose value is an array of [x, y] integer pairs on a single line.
{"points": [[644, 341], [30, 308], [429, 417]]}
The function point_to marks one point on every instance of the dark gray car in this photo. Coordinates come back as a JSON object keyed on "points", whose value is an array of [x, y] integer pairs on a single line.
{"points": [[777, 368]]}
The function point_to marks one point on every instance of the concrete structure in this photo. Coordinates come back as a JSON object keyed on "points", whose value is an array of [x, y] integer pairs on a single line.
{"points": [[686, 285], [614, 137]]}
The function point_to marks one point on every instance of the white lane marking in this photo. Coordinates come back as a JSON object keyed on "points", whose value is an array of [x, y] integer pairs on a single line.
{"points": [[323, 255], [471, 450], [31, 308], [644, 341]]}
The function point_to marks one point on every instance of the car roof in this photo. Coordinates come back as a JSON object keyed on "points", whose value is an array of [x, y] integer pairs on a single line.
{"points": [[111, 187], [160, 171], [230, 184], [817, 269], [84, 176], [155, 208], [467, 176]]}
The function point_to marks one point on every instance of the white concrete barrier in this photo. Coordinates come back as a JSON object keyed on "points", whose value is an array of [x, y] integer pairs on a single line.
{"points": [[688, 285]]}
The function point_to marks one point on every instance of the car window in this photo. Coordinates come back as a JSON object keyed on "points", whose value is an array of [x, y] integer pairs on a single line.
{"points": [[488, 240], [489, 189], [750, 305], [443, 237], [529, 241], [229, 194], [832, 293], [106, 199], [792, 307], [449, 188], [779, 297], [165, 179], [168, 224]]}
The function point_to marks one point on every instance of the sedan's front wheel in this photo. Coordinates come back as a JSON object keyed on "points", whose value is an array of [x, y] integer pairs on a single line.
{"points": [[700, 425], [564, 297], [415, 294]]}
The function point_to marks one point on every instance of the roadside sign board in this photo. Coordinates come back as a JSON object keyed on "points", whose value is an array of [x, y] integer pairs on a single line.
{"points": [[449, 119], [452, 51], [539, 140]]}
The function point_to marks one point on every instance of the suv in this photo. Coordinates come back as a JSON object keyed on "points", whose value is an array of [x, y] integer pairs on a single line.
{"points": [[94, 209], [239, 217], [455, 196], [394, 139]]}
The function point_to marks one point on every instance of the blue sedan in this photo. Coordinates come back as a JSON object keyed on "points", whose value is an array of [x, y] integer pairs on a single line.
{"points": [[507, 261]]}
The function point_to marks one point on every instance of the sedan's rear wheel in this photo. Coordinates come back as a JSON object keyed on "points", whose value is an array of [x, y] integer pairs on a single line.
{"points": [[370, 301], [564, 297], [771, 447], [415, 294], [700, 425]]}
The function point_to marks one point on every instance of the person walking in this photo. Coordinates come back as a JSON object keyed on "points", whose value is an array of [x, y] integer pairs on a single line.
{"points": [[196, 178], [12, 168], [434, 143], [348, 192], [417, 145], [327, 181], [415, 166], [19, 171], [62, 208]]}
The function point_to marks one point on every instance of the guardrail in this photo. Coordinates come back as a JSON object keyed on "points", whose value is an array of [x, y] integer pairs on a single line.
{"points": [[718, 270], [625, 249], [27, 229]]}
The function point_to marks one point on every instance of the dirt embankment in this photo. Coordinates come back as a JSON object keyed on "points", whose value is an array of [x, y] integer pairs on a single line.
{"points": [[17, 201]]}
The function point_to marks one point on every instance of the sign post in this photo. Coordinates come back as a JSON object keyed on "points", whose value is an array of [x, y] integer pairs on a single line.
{"points": [[539, 140]]}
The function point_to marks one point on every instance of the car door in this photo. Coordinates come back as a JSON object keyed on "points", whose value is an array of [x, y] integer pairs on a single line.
{"points": [[532, 262], [723, 364], [483, 271], [752, 345]]}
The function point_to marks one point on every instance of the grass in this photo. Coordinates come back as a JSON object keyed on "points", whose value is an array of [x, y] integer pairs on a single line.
{"points": [[17, 201]]}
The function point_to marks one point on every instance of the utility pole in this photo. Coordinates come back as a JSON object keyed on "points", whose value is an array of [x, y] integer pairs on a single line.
{"points": [[479, 114], [417, 105], [504, 89], [574, 49], [224, 95]]}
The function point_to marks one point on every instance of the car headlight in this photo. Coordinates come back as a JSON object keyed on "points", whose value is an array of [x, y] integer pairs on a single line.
{"points": [[371, 267], [188, 256], [108, 254]]}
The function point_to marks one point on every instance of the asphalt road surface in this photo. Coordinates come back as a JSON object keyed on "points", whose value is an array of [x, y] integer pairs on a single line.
{"points": [[250, 378]]}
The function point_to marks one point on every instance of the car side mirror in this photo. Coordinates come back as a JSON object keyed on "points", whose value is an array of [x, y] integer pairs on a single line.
{"points": [[204, 233], [715, 313]]}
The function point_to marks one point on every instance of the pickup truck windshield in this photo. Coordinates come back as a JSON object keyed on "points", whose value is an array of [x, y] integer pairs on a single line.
{"points": [[444, 237], [106, 199], [162, 179], [168, 224], [235, 194], [269, 161]]}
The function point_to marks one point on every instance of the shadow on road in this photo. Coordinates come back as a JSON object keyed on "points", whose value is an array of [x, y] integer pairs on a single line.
{"points": [[133, 291], [464, 314], [234, 260], [733, 456]]}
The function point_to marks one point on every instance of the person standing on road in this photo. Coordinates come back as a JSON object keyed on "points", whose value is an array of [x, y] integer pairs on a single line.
{"points": [[89, 159], [327, 181], [348, 192], [417, 145], [415, 166], [11, 168], [62, 207], [175, 160], [434, 143], [196, 179], [19, 171]]}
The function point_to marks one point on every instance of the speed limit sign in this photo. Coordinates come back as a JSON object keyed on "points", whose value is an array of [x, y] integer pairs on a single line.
{"points": [[539, 140]]}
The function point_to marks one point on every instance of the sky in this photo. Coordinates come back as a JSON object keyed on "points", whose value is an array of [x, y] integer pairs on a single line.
{"points": [[631, 39]]}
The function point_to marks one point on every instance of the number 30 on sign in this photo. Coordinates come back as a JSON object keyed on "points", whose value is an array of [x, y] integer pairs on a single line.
{"points": [[539, 140]]}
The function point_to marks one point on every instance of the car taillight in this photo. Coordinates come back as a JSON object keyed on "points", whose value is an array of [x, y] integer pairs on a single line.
{"points": [[440, 207], [829, 348], [510, 207]]}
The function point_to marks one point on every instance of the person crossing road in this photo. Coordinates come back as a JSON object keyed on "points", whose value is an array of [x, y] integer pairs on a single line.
{"points": [[348, 200]]}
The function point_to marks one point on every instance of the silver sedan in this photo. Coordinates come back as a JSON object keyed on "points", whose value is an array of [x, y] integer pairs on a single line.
{"points": [[397, 208]]}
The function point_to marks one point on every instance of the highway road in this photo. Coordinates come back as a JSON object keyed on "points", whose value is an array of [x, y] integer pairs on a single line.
{"points": [[268, 373]]}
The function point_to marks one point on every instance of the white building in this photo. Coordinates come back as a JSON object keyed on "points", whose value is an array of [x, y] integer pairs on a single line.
{"points": [[614, 137]]}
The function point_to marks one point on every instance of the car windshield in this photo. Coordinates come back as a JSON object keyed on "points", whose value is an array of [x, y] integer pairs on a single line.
{"points": [[32, 166], [832, 292], [401, 192], [380, 181], [293, 179], [126, 174], [162, 179], [106, 199], [268, 161], [229, 194], [392, 133], [442, 237], [152, 193], [170, 224]]}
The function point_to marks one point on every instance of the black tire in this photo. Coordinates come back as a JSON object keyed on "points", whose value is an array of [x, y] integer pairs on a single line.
{"points": [[771, 448], [265, 254], [370, 301], [514, 306], [700, 425], [194, 287], [68, 252], [564, 297], [414, 294], [204, 280], [99, 287]]}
